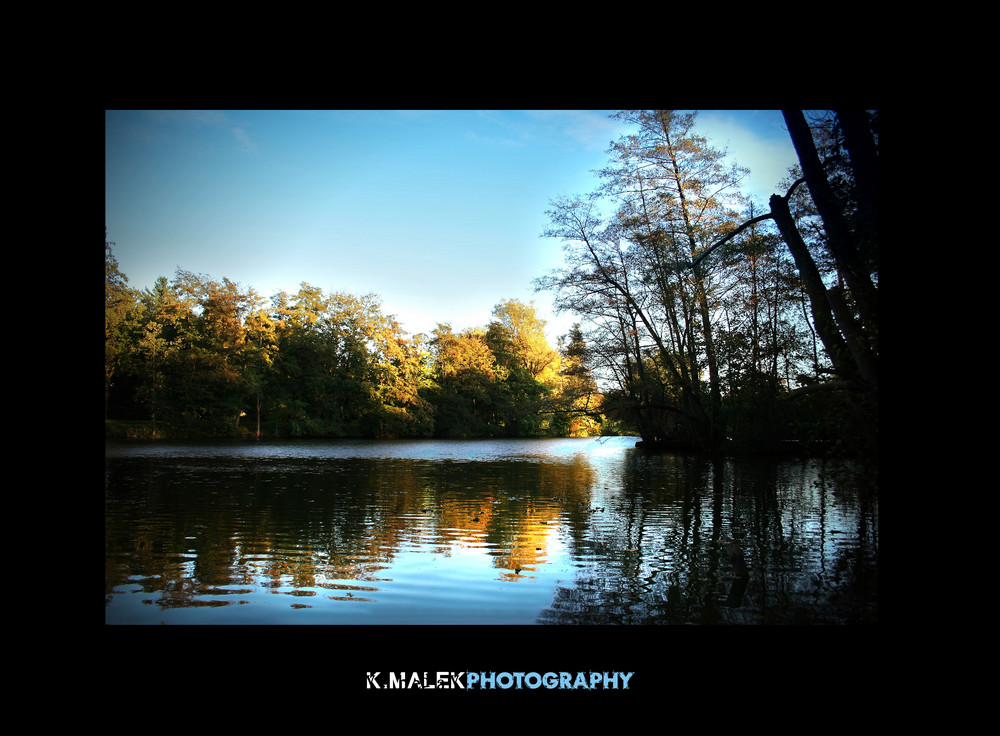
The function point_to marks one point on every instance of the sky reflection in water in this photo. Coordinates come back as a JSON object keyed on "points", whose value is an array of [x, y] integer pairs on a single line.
{"points": [[476, 531]]}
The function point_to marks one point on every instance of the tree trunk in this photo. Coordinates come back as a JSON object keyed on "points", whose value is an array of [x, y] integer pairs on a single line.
{"points": [[864, 161], [839, 237], [823, 319]]}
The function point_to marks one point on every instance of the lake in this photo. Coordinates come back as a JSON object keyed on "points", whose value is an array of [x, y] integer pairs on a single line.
{"points": [[533, 531]]}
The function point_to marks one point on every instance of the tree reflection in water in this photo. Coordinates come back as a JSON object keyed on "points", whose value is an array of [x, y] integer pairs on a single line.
{"points": [[555, 531], [674, 550]]}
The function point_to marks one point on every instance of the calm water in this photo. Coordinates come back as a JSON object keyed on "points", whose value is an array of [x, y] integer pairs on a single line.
{"points": [[568, 531]]}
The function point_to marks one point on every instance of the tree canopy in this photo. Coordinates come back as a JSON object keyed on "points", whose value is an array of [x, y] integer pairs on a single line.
{"points": [[704, 319], [705, 316], [194, 356]]}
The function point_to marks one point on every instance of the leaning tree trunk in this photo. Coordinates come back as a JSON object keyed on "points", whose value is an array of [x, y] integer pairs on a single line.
{"points": [[864, 161], [823, 319], [839, 237]]}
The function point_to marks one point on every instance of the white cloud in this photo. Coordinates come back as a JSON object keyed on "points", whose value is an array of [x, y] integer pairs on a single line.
{"points": [[755, 140], [593, 128], [245, 143]]}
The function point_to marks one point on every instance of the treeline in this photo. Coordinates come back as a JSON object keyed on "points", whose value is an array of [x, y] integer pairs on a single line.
{"points": [[714, 321], [196, 357], [708, 321]]}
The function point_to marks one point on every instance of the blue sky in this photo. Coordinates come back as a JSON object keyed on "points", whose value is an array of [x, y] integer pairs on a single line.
{"points": [[440, 213]]}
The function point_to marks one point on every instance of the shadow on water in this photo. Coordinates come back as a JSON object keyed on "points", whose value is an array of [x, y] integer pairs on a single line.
{"points": [[699, 541]]}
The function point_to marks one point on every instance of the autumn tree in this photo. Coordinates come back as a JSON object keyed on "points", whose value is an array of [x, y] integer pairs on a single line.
{"points": [[465, 370], [343, 368], [501, 380], [525, 390], [260, 348], [519, 323], [401, 373], [675, 196], [119, 305], [203, 387]]}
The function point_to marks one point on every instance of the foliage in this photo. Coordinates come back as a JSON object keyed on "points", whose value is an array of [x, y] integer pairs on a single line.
{"points": [[581, 400], [197, 357], [702, 320], [652, 316], [119, 304], [706, 344], [503, 380]]}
